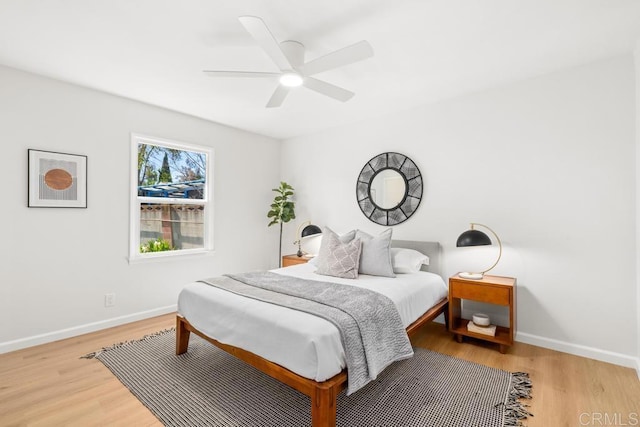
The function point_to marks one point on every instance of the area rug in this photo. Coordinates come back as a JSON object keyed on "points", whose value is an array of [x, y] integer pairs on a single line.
{"points": [[208, 387]]}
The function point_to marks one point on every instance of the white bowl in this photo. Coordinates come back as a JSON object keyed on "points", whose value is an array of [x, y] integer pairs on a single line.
{"points": [[481, 319]]}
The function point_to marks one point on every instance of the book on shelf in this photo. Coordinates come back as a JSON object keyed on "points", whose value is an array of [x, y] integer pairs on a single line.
{"points": [[484, 330]]}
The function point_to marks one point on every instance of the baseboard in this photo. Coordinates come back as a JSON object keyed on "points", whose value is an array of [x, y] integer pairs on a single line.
{"points": [[581, 350], [21, 343], [576, 349]]}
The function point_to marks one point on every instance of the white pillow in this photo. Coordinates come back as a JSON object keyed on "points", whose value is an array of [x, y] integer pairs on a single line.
{"points": [[375, 259], [407, 260]]}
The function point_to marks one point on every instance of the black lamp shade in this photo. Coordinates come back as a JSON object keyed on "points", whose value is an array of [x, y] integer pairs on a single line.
{"points": [[473, 238], [310, 230]]}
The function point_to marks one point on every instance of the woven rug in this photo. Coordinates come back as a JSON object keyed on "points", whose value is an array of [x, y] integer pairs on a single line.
{"points": [[208, 387]]}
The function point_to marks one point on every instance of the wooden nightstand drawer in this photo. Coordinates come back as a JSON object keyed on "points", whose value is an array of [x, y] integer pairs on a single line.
{"points": [[288, 260], [480, 292]]}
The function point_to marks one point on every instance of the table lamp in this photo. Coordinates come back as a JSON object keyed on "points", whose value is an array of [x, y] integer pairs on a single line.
{"points": [[473, 237], [305, 229]]}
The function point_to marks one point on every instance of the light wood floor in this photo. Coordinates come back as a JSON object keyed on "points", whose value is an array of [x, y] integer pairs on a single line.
{"points": [[49, 385]]}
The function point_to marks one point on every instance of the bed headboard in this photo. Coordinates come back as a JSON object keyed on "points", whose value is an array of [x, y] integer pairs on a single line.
{"points": [[430, 249]]}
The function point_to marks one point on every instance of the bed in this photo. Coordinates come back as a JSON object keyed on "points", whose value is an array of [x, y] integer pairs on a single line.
{"points": [[297, 348]]}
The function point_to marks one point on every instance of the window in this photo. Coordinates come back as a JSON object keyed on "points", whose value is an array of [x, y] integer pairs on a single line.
{"points": [[171, 202]]}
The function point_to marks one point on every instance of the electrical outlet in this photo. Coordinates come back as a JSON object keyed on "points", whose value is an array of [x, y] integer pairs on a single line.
{"points": [[109, 300]]}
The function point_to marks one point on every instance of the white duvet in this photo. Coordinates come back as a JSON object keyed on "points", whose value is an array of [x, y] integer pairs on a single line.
{"points": [[301, 342]]}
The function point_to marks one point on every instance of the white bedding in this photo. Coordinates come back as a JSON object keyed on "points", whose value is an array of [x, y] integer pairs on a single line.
{"points": [[303, 343]]}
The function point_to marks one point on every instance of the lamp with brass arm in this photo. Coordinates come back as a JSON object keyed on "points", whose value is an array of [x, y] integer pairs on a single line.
{"points": [[305, 229], [473, 237]]}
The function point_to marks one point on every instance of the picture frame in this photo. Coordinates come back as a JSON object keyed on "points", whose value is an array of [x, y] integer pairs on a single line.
{"points": [[56, 180]]}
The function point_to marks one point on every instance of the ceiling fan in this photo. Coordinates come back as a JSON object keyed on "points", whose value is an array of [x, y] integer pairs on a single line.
{"points": [[289, 58]]}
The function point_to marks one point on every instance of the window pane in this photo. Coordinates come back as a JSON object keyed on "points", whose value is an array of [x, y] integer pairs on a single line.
{"points": [[171, 172], [165, 227]]}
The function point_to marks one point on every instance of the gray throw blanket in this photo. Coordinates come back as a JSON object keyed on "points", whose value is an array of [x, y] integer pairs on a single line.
{"points": [[370, 327]]}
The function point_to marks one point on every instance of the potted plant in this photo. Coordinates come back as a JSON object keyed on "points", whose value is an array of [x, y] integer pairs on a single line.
{"points": [[282, 210]]}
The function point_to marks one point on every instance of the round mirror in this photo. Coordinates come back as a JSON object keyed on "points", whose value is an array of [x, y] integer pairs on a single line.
{"points": [[389, 188]]}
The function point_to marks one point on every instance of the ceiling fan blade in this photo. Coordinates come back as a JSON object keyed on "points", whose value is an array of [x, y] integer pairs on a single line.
{"points": [[251, 74], [345, 56], [328, 89], [278, 96], [260, 32]]}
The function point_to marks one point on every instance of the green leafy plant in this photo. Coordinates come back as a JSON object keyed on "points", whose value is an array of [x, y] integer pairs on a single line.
{"points": [[282, 210], [158, 245]]}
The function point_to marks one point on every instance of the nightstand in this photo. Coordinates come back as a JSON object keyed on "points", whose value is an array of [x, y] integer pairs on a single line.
{"points": [[490, 289], [289, 260]]}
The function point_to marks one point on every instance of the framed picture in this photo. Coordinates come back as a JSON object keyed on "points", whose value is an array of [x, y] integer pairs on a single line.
{"points": [[57, 180]]}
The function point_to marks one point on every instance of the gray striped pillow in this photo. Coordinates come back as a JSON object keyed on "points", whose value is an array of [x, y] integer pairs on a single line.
{"points": [[338, 259]]}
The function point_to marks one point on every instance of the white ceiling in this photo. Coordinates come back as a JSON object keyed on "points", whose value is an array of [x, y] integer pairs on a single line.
{"points": [[425, 50]]}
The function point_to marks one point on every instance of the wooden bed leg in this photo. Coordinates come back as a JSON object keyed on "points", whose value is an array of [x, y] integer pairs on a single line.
{"points": [[323, 407], [182, 336], [446, 316]]}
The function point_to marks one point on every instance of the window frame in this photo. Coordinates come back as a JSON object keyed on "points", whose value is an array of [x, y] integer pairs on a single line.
{"points": [[135, 200]]}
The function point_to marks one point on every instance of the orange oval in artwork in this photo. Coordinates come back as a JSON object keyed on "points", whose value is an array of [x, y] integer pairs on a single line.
{"points": [[58, 179]]}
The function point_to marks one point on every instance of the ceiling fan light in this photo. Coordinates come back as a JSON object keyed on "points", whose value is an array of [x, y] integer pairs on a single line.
{"points": [[291, 79]]}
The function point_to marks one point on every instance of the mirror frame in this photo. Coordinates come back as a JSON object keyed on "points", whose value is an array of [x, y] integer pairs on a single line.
{"points": [[413, 188]]}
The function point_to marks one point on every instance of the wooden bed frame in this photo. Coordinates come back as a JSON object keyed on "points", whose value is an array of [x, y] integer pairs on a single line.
{"points": [[323, 394]]}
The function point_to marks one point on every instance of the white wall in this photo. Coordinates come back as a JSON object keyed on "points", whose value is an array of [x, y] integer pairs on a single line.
{"points": [[637, 63], [57, 264], [549, 163]]}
